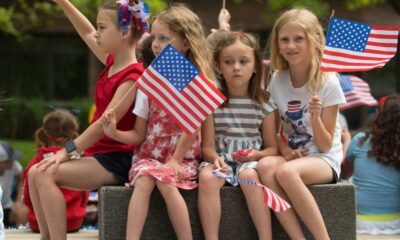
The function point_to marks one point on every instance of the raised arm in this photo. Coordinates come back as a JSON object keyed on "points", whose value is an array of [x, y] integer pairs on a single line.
{"points": [[83, 26]]}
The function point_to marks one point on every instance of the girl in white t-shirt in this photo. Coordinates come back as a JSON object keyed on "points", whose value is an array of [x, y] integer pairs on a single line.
{"points": [[308, 102]]}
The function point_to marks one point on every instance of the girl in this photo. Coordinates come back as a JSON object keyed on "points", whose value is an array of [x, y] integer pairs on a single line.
{"points": [[244, 122], [308, 101], [168, 159], [374, 156], [58, 126], [107, 161]]}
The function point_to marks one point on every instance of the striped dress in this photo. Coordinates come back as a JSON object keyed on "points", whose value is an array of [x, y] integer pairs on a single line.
{"points": [[238, 127]]}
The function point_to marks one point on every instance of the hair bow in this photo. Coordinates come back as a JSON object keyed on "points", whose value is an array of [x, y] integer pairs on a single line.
{"points": [[141, 13]]}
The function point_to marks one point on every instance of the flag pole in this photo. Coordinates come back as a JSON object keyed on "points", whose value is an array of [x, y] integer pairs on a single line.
{"points": [[223, 4], [333, 13]]}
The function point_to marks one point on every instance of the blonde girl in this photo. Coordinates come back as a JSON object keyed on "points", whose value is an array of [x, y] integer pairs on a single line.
{"points": [[168, 158], [245, 122], [307, 101], [106, 161]]}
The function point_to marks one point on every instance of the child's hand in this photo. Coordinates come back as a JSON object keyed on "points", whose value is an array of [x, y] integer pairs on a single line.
{"points": [[55, 160], [109, 123], [314, 106], [220, 164], [291, 154], [177, 167], [223, 20], [245, 155]]}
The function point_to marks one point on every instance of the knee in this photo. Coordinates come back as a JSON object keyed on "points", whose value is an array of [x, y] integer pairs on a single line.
{"points": [[35, 175], [286, 175], [249, 174], [267, 166], [207, 182], [145, 183]]}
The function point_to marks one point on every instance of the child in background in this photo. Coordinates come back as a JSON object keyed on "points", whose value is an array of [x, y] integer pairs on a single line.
{"points": [[106, 161], [217, 35], [11, 170], [57, 127], [374, 156], [168, 158], [308, 105], [245, 122]]}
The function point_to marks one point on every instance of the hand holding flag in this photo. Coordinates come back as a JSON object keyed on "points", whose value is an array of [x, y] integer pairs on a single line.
{"points": [[176, 86], [351, 46]]}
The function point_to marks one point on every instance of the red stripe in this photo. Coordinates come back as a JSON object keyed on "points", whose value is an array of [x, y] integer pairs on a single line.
{"points": [[212, 86], [334, 69], [389, 53], [356, 57], [389, 28], [379, 44], [201, 108]]}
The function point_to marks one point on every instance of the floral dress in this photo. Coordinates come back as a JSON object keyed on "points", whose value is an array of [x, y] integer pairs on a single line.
{"points": [[162, 136]]}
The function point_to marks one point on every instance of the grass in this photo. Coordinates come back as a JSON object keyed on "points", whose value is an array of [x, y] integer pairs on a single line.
{"points": [[27, 148]]}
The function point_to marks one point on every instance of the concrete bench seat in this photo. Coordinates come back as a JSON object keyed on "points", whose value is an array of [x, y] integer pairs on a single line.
{"points": [[336, 201]]}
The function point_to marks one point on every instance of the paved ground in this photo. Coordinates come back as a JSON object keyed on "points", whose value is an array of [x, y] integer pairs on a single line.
{"points": [[92, 234]]}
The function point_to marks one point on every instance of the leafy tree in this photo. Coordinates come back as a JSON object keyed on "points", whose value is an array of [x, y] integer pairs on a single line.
{"points": [[20, 17]]}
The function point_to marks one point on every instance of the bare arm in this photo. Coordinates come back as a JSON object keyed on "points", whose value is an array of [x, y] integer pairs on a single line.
{"points": [[208, 140], [83, 26]]}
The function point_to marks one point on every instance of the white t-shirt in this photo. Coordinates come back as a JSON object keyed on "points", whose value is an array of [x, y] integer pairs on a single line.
{"points": [[142, 107], [295, 118], [6, 181]]}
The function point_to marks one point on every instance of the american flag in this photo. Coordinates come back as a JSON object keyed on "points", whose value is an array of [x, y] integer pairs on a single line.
{"points": [[352, 46], [177, 87], [356, 91]]}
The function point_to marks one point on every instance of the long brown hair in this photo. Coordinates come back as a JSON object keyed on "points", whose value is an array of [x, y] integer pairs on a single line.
{"points": [[183, 21], [57, 127], [384, 131], [256, 93]]}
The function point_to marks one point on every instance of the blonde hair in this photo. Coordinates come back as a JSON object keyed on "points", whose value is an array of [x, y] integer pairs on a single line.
{"points": [[187, 24], [315, 40], [256, 93], [57, 127], [113, 6]]}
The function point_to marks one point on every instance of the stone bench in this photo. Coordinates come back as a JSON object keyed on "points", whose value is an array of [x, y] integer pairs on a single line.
{"points": [[336, 201]]}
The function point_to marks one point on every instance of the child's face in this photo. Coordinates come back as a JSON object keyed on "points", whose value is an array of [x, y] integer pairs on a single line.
{"points": [[107, 32], [237, 65], [293, 45], [162, 35], [5, 165]]}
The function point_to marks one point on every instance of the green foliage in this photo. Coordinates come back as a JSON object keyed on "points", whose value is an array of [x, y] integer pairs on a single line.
{"points": [[21, 117], [354, 4], [21, 17]]}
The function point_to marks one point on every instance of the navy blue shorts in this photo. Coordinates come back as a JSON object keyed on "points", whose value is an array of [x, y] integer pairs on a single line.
{"points": [[118, 163]]}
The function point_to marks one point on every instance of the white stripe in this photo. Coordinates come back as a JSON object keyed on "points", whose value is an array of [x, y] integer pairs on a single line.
{"points": [[388, 49], [385, 32], [360, 54], [323, 64], [382, 40], [198, 101]]}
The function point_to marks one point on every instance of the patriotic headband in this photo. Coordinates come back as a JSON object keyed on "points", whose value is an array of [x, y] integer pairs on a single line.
{"points": [[140, 11]]}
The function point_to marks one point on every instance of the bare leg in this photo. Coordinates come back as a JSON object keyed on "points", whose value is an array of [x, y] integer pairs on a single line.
{"points": [[139, 206], [259, 211], [209, 202], [293, 176], [266, 170], [84, 174], [177, 210]]}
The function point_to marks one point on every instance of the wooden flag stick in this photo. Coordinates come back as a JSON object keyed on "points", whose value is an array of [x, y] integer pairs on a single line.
{"points": [[223, 4], [333, 13]]}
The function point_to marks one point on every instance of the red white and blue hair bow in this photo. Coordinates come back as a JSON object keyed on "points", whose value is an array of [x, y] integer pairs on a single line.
{"points": [[140, 11]]}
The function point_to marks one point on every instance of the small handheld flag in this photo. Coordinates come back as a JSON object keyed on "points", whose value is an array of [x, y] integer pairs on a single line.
{"points": [[351, 46], [177, 87], [273, 200], [356, 91]]}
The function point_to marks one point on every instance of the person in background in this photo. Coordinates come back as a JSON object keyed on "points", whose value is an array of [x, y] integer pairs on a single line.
{"points": [[10, 171], [345, 139], [57, 127], [374, 156]]}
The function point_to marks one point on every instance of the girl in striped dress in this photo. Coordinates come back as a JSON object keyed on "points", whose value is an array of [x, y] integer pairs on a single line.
{"points": [[238, 134]]}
